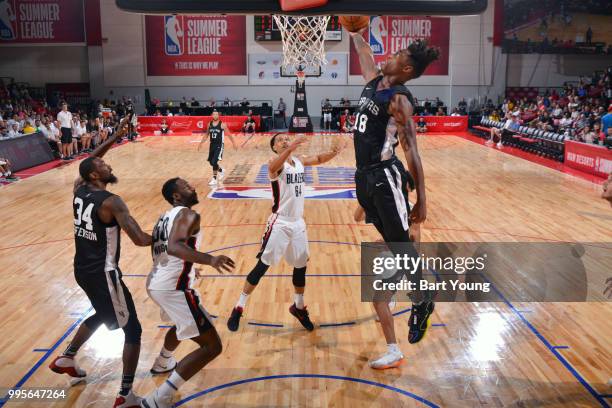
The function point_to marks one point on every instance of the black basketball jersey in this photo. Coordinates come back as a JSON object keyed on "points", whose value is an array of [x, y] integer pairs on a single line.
{"points": [[216, 133], [97, 243], [375, 134]]}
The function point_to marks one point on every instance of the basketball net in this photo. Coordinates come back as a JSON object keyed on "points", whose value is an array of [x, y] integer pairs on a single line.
{"points": [[303, 41]]}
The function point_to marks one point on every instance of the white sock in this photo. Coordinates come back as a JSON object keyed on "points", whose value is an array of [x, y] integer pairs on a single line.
{"points": [[165, 353], [171, 385], [242, 301], [298, 298], [393, 348]]}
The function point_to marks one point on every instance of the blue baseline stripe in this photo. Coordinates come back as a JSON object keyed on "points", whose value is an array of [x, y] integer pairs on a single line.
{"points": [[337, 324], [605, 395], [324, 376], [40, 350], [549, 346], [40, 361], [164, 326], [438, 325], [560, 347], [265, 324]]}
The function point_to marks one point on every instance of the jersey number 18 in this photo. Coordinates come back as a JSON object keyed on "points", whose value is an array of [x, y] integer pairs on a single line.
{"points": [[360, 122]]}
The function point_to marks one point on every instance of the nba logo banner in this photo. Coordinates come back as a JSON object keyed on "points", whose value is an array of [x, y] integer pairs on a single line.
{"points": [[390, 34], [173, 28], [195, 45]]}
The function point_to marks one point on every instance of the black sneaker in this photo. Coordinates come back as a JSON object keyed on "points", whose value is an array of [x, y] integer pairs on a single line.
{"points": [[419, 321], [302, 316], [234, 321]]}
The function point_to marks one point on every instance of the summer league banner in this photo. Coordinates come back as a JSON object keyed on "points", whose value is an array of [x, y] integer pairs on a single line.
{"points": [[389, 34], [41, 22], [196, 45], [264, 69], [486, 271]]}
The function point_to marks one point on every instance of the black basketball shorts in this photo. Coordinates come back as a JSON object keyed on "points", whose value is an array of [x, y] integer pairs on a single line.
{"points": [[109, 296], [215, 154]]}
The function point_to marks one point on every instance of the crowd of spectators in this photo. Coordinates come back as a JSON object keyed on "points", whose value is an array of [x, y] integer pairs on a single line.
{"points": [[69, 134], [581, 111]]}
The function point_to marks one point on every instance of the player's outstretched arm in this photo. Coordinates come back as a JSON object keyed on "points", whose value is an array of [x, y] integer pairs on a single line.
{"points": [[103, 148], [119, 210], [204, 138], [369, 69], [322, 157], [401, 109], [186, 224], [276, 164]]}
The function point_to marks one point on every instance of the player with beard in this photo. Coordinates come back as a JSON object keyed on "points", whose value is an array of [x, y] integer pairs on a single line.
{"points": [[170, 284], [384, 120], [99, 217]]}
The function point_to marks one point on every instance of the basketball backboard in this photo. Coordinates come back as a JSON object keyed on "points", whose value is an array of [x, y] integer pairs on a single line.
{"points": [[335, 7]]}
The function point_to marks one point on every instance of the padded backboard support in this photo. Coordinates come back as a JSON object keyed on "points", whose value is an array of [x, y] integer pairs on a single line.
{"points": [[335, 7]]}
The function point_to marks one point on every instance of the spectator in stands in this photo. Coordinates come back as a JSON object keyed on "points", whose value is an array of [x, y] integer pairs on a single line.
{"points": [[497, 133], [183, 104], [249, 125], [587, 135], [494, 116], [28, 128], [599, 135], [589, 36], [76, 134], [606, 122], [195, 103], [545, 122], [52, 139], [282, 110], [566, 122], [348, 121], [581, 122], [38, 125], [180, 112], [164, 129], [64, 117], [421, 125], [557, 112], [462, 106], [327, 114], [211, 103], [341, 103], [157, 113], [244, 103], [455, 112], [14, 130], [227, 102], [440, 112], [85, 137], [5, 170]]}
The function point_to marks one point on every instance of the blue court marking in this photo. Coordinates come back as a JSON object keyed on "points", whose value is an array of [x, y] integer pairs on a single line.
{"points": [[265, 324], [605, 395], [549, 346], [524, 311], [337, 324], [40, 361], [438, 325], [134, 276], [323, 376], [164, 326], [560, 347], [40, 350], [401, 312]]}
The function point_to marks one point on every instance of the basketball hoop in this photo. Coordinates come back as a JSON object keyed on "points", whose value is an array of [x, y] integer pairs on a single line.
{"points": [[303, 41]]}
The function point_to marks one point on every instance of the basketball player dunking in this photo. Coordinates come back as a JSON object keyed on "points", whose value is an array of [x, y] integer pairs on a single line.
{"points": [[99, 217], [217, 131], [175, 239], [385, 118], [285, 234]]}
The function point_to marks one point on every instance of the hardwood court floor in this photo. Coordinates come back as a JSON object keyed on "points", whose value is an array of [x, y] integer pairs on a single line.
{"points": [[477, 355]]}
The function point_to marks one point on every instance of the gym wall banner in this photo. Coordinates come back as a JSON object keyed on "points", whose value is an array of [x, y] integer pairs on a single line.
{"points": [[196, 45], [389, 34], [36, 22], [264, 69]]}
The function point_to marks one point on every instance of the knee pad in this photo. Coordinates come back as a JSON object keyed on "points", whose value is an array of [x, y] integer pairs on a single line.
{"points": [[93, 322], [132, 330], [258, 271], [299, 277]]}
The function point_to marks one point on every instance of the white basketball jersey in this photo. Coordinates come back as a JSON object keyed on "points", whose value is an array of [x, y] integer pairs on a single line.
{"points": [[288, 190], [170, 272]]}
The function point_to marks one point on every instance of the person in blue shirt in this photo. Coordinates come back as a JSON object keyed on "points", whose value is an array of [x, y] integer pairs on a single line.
{"points": [[606, 122]]}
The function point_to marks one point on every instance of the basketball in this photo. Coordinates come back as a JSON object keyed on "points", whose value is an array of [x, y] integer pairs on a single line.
{"points": [[354, 23]]}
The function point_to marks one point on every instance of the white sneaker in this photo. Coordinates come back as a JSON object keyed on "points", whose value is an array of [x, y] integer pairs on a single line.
{"points": [[163, 365], [221, 175], [387, 360], [129, 401], [499, 145], [67, 365], [155, 400], [212, 182]]}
